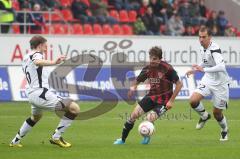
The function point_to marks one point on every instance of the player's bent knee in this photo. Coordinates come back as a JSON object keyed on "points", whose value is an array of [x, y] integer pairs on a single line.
{"points": [[152, 116], [218, 117], [138, 111], [195, 99], [134, 116], [36, 118], [70, 106], [194, 103], [74, 108], [217, 114]]}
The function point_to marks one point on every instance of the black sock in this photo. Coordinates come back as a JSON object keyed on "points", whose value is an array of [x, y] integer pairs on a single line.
{"points": [[127, 128]]}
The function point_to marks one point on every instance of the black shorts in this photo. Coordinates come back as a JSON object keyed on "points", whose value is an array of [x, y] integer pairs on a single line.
{"points": [[148, 104]]}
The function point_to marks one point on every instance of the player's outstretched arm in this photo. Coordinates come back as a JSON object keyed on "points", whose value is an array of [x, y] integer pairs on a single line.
{"points": [[190, 72], [218, 68], [132, 89], [174, 95], [141, 78], [195, 68], [220, 64], [42, 62]]}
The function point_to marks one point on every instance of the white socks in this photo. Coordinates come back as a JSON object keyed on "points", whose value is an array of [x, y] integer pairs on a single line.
{"points": [[201, 111], [62, 126], [25, 128], [223, 124]]}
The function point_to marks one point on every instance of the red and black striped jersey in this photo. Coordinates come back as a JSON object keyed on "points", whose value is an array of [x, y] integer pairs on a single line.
{"points": [[161, 79]]}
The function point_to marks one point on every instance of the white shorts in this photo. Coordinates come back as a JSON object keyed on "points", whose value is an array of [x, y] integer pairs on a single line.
{"points": [[220, 94], [43, 99]]}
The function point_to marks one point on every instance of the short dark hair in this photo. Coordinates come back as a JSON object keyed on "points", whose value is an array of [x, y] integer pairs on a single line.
{"points": [[37, 40], [205, 29], [156, 51]]}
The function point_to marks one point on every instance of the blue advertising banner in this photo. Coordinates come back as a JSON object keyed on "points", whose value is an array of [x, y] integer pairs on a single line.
{"points": [[234, 74], [102, 83], [5, 88], [234, 87]]}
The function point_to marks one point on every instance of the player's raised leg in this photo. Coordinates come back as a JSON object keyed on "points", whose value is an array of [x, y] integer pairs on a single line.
{"points": [[195, 102], [71, 111], [25, 128], [128, 125], [152, 117]]}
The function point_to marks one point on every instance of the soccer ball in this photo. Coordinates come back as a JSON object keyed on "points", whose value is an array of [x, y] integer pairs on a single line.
{"points": [[146, 128]]}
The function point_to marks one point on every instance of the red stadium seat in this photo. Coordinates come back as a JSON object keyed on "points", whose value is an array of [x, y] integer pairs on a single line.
{"points": [[235, 30], [67, 15], [97, 29], [86, 2], [56, 17], [87, 29], [105, 1], [238, 34], [117, 30], [16, 29], [66, 3], [15, 5], [46, 16], [123, 16], [67, 28], [127, 30], [46, 29], [59, 29], [107, 30], [114, 14], [77, 29], [132, 16]]}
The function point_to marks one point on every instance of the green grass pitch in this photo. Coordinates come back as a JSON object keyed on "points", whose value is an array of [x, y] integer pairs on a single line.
{"points": [[175, 137]]}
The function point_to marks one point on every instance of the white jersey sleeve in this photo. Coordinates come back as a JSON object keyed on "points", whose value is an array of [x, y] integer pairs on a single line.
{"points": [[220, 65], [214, 66]]}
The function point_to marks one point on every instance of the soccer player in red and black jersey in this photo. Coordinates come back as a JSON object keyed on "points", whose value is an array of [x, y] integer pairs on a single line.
{"points": [[161, 96]]}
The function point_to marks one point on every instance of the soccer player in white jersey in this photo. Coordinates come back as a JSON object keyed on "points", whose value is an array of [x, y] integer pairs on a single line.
{"points": [[214, 82], [40, 97]]}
